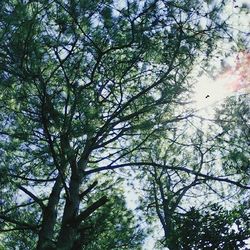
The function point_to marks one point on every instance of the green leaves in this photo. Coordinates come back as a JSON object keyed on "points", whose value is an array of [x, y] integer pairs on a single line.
{"points": [[113, 227], [210, 229], [233, 143], [88, 88], [107, 16]]}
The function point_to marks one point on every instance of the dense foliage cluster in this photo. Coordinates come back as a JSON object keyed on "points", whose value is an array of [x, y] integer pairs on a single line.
{"points": [[92, 95]]}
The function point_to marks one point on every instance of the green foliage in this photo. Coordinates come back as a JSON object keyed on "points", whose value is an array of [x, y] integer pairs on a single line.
{"points": [[19, 240], [233, 141], [84, 84], [112, 227], [215, 228]]}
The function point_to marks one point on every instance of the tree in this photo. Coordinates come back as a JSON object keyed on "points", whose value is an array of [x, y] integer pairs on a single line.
{"points": [[79, 79], [191, 169], [111, 227], [214, 228], [233, 141]]}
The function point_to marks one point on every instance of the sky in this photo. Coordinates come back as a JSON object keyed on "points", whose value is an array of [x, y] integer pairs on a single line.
{"points": [[234, 79]]}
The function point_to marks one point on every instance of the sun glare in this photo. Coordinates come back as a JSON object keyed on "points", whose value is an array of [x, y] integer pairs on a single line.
{"points": [[233, 79]]}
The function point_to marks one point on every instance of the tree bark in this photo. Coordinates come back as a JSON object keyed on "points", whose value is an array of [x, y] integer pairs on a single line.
{"points": [[46, 234], [69, 231]]}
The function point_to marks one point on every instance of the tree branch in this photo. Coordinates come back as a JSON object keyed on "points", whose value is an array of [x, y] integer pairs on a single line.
{"points": [[85, 192], [150, 164], [34, 197], [92, 208], [19, 223]]}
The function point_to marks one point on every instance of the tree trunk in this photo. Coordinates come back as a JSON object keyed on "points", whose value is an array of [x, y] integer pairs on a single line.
{"points": [[46, 234], [68, 232]]}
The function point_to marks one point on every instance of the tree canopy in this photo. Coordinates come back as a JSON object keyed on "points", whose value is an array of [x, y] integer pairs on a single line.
{"points": [[92, 94]]}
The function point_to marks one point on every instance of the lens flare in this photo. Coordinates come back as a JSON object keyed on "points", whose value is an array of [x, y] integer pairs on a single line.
{"points": [[237, 77]]}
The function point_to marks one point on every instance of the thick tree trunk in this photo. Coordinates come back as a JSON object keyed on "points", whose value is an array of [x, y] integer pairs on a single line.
{"points": [[45, 241], [68, 232]]}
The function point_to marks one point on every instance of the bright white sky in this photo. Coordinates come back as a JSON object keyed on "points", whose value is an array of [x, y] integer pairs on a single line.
{"points": [[235, 78], [210, 92]]}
